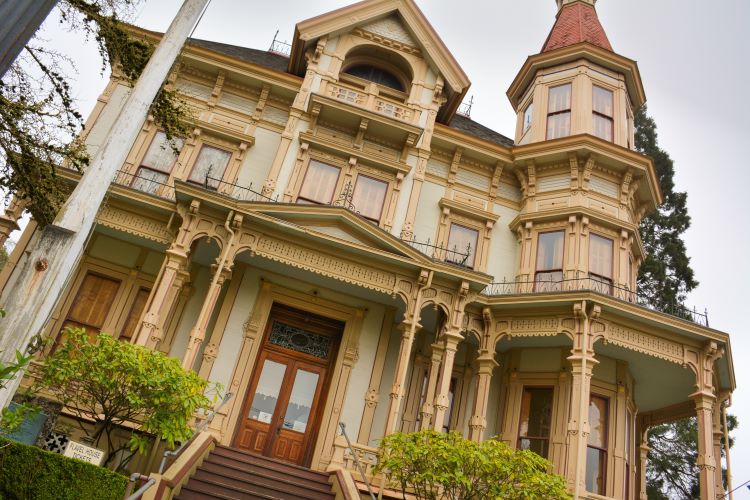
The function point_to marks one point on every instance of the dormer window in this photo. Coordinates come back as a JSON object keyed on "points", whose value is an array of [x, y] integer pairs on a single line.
{"points": [[603, 107], [376, 75], [558, 111]]}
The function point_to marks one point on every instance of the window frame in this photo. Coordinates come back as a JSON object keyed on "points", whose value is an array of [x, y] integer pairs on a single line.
{"points": [[561, 270], [336, 187], [473, 254], [598, 114], [194, 161], [383, 206], [528, 117], [604, 284], [560, 112], [548, 439]]}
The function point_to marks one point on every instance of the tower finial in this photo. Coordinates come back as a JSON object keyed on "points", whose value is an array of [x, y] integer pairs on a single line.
{"points": [[562, 3]]}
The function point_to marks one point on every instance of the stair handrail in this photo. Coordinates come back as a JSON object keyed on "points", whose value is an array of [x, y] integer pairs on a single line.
{"points": [[150, 481], [356, 460], [200, 428]]}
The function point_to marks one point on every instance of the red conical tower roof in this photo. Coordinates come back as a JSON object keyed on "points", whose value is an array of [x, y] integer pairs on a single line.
{"points": [[577, 22]]}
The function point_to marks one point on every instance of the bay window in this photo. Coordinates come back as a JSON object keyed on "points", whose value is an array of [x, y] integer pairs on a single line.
{"points": [[603, 107], [209, 166], [600, 263], [319, 183], [558, 111], [596, 450], [536, 420]]}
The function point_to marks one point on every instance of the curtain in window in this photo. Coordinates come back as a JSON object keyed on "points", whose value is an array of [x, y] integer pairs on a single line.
{"points": [[603, 113], [211, 162], [558, 111], [550, 251], [160, 155], [319, 183], [462, 240], [536, 421], [600, 256], [148, 180], [369, 196], [596, 458]]}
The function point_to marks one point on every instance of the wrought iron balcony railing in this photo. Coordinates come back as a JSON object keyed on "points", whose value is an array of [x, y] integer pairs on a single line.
{"points": [[146, 184], [441, 252], [593, 284]]}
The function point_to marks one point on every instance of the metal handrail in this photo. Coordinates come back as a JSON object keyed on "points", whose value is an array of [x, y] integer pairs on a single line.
{"points": [[594, 284], [356, 460], [440, 252], [150, 481], [198, 430]]}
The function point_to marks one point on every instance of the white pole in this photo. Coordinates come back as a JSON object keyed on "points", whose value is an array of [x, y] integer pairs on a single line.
{"points": [[43, 276]]}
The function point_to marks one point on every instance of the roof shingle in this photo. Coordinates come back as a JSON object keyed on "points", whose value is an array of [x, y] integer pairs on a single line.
{"points": [[577, 23]]}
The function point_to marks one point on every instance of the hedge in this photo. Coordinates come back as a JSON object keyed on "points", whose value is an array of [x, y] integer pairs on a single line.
{"points": [[27, 472]]}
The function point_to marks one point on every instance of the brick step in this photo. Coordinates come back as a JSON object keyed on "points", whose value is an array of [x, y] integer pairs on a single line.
{"points": [[242, 469], [270, 464], [207, 489], [253, 483]]}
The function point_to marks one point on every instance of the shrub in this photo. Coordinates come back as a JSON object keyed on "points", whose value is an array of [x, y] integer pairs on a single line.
{"points": [[28, 472], [115, 382], [434, 465]]}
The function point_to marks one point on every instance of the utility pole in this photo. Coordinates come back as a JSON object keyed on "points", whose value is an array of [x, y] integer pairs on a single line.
{"points": [[18, 23], [45, 273]]}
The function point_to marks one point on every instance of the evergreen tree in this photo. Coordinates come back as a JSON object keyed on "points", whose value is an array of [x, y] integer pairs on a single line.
{"points": [[664, 279], [665, 275]]}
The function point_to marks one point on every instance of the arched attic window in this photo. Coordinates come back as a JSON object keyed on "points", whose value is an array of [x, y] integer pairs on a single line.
{"points": [[383, 67], [377, 75]]}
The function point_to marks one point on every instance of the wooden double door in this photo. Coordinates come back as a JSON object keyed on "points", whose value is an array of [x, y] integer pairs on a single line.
{"points": [[282, 409]]}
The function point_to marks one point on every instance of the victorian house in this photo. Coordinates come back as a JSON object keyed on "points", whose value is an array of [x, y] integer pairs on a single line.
{"points": [[338, 242]]}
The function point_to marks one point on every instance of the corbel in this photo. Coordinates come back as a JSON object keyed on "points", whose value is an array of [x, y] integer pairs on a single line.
{"points": [[218, 85], [584, 226], [359, 140], [495, 182], [531, 169], [627, 178], [437, 96], [522, 180], [411, 141], [573, 160], [455, 164], [587, 169], [315, 114], [262, 100]]}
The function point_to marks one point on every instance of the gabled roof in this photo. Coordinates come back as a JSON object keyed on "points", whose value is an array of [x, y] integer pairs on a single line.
{"points": [[346, 18], [577, 22]]}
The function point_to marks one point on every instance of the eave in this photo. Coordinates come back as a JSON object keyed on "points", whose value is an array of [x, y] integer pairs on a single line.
{"points": [[584, 50]]}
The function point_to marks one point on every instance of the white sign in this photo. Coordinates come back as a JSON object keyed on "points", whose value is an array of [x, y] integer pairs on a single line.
{"points": [[83, 452]]}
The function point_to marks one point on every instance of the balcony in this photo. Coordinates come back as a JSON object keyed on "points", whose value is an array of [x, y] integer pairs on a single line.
{"points": [[369, 99], [592, 284]]}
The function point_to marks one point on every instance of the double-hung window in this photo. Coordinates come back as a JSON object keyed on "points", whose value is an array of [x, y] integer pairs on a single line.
{"points": [[210, 166], [369, 197], [549, 261], [596, 450], [600, 263], [558, 111], [536, 420], [462, 245], [156, 165], [319, 184], [527, 117], [603, 107]]}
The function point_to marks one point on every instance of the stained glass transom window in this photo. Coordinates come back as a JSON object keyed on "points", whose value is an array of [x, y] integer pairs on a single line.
{"points": [[297, 339]]}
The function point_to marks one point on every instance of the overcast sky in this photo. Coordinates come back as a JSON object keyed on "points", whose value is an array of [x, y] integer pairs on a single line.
{"points": [[693, 59]]}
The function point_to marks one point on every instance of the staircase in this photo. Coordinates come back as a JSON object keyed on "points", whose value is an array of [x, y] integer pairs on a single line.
{"points": [[232, 473]]}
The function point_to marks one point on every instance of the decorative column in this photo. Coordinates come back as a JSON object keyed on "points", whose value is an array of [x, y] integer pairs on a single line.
{"points": [[409, 329], [718, 435], [643, 450], [451, 339], [705, 403], [704, 410], [582, 363], [198, 333], [173, 276], [486, 364], [9, 220], [428, 410]]}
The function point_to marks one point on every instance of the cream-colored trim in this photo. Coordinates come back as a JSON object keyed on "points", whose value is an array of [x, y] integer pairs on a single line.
{"points": [[373, 396]]}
